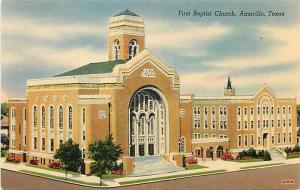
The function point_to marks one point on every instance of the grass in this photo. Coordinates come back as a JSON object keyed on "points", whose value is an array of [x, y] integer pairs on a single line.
{"points": [[250, 160], [112, 176], [61, 178], [262, 165], [290, 156], [4, 152], [168, 177], [194, 166], [11, 162], [51, 169]]}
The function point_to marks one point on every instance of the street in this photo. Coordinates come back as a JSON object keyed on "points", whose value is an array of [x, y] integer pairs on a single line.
{"points": [[265, 178]]}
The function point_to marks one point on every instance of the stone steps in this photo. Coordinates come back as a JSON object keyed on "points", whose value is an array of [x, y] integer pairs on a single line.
{"points": [[150, 165]]}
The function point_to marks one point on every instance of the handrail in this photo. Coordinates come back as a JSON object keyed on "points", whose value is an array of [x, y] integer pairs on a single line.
{"points": [[281, 152]]}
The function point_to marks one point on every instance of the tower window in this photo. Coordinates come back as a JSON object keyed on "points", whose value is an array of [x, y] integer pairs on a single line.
{"points": [[116, 50], [132, 48]]}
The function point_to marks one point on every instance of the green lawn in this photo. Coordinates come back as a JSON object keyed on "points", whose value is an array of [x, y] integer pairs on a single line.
{"points": [[262, 165], [50, 169], [250, 160], [4, 152], [61, 178], [108, 176], [194, 166], [169, 177], [290, 156]]}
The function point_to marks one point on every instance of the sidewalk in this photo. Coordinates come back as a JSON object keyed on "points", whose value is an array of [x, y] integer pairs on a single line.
{"points": [[229, 166]]}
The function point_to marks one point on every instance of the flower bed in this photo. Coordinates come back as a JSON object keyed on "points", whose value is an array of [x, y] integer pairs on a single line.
{"points": [[118, 172], [13, 159], [226, 156], [34, 162], [55, 165], [192, 160]]}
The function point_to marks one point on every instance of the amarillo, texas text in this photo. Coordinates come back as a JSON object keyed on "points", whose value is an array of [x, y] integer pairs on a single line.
{"points": [[256, 13]]}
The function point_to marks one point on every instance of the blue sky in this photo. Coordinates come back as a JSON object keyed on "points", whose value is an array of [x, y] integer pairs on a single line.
{"points": [[45, 38]]}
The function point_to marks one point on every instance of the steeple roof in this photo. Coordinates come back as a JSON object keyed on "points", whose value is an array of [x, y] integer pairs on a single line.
{"points": [[126, 12]]}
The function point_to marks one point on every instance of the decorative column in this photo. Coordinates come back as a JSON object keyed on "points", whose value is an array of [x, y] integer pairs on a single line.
{"points": [[137, 124], [146, 137]]}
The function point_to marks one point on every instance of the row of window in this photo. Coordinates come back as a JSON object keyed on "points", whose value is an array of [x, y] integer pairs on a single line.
{"points": [[265, 124], [265, 110], [131, 51], [222, 110], [222, 124], [199, 136], [52, 115], [246, 143]]}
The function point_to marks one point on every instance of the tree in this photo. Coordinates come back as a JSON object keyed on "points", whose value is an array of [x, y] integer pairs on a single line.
{"points": [[69, 155], [4, 139], [4, 109], [104, 154], [298, 109]]}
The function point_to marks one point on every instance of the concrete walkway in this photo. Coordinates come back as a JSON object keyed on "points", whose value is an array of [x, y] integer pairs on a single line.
{"points": [[212, 166]]}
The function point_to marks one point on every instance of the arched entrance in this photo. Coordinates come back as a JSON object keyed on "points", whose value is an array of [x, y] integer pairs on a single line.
{"points": [[148, 123], [219, 151], [209, 152], [199, 152]]}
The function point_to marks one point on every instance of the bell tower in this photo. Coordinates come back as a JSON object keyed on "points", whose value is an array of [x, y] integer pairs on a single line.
{"points": [[126, 36]]}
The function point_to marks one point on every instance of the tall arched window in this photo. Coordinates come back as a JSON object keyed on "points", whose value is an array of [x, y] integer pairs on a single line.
{"points": [[51, 117], [43, 117], [34, 117], [70, 118], [132, 48], [116, 50], [151, 126], [60, 117]]}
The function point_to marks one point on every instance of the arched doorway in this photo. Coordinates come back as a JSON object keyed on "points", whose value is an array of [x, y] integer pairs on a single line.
{"points": [[209, 152], [219, 151], [148, 123], [199, 152]]}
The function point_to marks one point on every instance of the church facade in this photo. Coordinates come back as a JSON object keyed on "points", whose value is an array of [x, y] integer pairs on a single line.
{"points": [[136, 98]]}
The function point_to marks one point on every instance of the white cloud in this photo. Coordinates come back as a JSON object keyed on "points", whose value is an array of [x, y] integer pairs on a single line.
{"points": [[171, 36], [35, 29]]}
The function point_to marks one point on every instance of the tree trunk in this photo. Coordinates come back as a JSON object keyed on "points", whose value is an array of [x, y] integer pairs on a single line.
{"points": [[100, 179], [66, 175]]}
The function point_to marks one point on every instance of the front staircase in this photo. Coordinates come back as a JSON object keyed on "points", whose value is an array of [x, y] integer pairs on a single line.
{"points": [[150, 165], [277, 154]]}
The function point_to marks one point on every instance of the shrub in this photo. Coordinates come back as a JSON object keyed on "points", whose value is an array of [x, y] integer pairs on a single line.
{"points": [[267, 156], [226, 156], [34, 162], [288, 150], [251, 152], [117, 166], [192, 160], [296, 148], [261, 154], [242, 154], [55, 165]]}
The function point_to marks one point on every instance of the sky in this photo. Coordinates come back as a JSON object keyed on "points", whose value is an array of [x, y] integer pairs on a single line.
{"points": [[44, 38]]}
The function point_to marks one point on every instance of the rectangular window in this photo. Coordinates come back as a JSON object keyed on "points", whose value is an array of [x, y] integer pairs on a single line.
{"points": [[258, 140], [206, 124], [252, 124], [252, 140], [273, 140], [239, 141], [272, 123], [214, 124], [239, 125], [246, 140], [278, 138], [83, 115], [278, 123], [34, 142], [83, 135], [25, 140], [284, 123], [245, 124], [43, 143], [83, 153], [52, 145], [290, 137], [258, 124], [60, 142], [290, 122], [283, 137]]}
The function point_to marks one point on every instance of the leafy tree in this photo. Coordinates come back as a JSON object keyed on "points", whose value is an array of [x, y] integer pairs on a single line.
{"points": [[298, 109], [4, 139], [104, 154], [4, 109], [69, 155], [296, 148]]}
